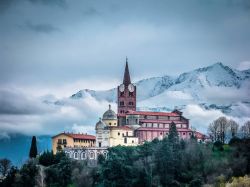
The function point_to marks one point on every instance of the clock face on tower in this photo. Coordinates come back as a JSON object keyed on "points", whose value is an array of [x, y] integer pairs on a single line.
{"points": [[131, 87], [122, 88]]}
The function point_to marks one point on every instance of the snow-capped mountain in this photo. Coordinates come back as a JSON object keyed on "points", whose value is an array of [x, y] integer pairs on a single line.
{"points": [[214, 87]]}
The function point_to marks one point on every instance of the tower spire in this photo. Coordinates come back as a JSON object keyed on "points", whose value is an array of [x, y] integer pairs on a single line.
{"points": [[126, 78]]}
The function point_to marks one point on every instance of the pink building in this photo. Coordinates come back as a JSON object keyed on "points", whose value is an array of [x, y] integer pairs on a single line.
{"points": [[156, 124], [148, 125]]}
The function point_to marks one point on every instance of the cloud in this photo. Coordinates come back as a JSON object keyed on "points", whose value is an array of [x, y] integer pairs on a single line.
{"points": [[77, 128], [200, 118], [4, 135], [41, 28], [227, 95], [6, 4], [13, 102], [245, 65], [30, 116], [61, 3], [91, 12]]}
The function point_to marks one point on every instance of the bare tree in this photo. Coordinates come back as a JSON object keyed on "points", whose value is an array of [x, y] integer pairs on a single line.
{"points": [[245, 129], [213, 131], [5, 165], [218, 128], [234, 126], [223, 125]]}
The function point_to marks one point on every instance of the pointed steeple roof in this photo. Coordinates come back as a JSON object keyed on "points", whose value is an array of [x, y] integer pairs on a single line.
{"points": [[126, 78]]}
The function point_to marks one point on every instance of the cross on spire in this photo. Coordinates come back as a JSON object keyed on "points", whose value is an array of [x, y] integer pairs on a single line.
{"points": [[126, 78]]}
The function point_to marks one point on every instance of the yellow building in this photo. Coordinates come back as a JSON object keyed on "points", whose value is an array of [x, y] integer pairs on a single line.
{"points": [[110, 117], [122, 135], [71, 140]]}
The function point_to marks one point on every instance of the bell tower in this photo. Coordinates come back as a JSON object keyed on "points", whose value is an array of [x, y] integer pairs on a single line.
{"points": [[126, 97]]}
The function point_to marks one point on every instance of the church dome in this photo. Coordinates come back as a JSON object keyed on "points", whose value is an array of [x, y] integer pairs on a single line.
{"points": [[100, 124], [109, 114]]}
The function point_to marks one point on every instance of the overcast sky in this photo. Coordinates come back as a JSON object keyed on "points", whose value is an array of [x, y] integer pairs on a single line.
{"points": [[58, 47], [46, 46]]}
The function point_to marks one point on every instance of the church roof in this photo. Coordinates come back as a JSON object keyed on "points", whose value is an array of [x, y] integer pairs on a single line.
{"points": [[77, 136], [162, 129], [109, 114], [149, 113], [126, 78], [161, 121], [82, 136]]}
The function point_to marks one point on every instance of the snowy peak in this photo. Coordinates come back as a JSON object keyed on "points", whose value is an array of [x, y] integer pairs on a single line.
{"points": [[214, 75], [147, 88], [108, 95], [187, 87]]}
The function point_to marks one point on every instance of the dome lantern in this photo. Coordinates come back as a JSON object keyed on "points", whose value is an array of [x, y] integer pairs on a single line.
{"points": [[109, 114]]}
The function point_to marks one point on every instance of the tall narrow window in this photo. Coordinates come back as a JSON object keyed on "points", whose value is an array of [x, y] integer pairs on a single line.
{"points": [[75, 156]]}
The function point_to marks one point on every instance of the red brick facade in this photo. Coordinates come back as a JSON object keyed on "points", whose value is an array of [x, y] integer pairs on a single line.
{"points": [[126, 93], [148, 125]]}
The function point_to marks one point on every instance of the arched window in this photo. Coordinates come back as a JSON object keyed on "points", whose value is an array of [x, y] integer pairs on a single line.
{"points": [[83, 155], [75, 155], [92, 156]]}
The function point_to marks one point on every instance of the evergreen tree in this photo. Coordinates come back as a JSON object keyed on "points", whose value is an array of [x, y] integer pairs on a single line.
{"points": [[47, 158], [27, 174], [173, 136], [5, 165], [33, 148]]}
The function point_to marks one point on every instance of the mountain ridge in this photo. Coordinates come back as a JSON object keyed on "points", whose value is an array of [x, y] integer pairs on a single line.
{"points": [[157, 85]]}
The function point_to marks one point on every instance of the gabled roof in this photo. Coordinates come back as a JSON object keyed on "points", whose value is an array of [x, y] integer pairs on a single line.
{"points": [[200, 135], [77, 136], [162, 121], [149, 113], [161, 129]]}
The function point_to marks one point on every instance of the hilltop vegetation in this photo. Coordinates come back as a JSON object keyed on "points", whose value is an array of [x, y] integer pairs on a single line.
{"points": [[170, 162]]}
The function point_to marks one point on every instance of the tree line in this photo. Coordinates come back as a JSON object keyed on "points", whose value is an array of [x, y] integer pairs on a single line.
{"points": [[222, 128], [169, 162]]}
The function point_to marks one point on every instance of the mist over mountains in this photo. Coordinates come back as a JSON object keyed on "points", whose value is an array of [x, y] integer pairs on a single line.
{"points": [[216, 87]]}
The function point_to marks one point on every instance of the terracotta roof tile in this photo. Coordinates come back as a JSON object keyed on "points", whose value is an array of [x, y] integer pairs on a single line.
{"points": [[161, 129], [162, 121], [78, 136], [82, 136], [130, 112]]}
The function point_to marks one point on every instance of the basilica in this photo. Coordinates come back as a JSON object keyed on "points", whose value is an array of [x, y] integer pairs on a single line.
{"points": [[127, 127]]}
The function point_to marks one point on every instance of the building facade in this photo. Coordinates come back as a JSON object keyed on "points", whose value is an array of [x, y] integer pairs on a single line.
{"points": [[90, 153], [71, 140], [128, 127], [126, 100], [108, 134], [122, 135], [102, 134], [156, 124], [147, 125]]}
